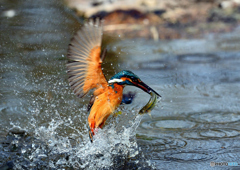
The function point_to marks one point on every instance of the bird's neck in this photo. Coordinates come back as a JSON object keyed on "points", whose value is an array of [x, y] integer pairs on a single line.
{"points": [[116, 87]]}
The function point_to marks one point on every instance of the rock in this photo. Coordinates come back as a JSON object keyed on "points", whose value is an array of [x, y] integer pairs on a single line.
{"points": [[229, 4]]}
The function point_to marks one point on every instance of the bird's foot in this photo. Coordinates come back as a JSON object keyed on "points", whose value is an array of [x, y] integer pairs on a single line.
{"points": [[128, 98]]}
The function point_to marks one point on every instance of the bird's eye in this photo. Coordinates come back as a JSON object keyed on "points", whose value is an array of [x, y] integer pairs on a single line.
{"points": [[135, 80]]}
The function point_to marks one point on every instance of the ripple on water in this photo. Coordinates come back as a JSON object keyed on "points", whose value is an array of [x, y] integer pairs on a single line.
{"points": [[160, 144], [210, 133], [168, 123], [155, 65], [16, 106], [215, 117], [188, 156], [198, 58]]}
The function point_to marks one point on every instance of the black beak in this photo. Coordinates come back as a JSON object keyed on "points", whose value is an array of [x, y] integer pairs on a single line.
{"points": [[146, 88]]}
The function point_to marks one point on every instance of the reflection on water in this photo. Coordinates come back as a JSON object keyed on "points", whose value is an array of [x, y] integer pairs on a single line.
{"points": [[44, 125]]}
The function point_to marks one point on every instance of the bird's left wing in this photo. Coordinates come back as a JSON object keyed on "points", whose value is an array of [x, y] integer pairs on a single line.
{"points": [[84, 54]]}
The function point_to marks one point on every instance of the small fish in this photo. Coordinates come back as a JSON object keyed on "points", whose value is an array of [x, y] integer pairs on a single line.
{"points": [[150, 105]]}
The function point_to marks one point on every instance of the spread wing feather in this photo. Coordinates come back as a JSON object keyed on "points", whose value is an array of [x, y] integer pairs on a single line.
{"points": [[84, 54]]}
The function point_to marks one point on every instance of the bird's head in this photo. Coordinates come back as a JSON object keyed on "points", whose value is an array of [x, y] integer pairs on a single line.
{"points": [[126, 77]]}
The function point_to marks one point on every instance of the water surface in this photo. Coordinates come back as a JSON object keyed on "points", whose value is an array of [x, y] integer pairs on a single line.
{"points": [[44, 125]]}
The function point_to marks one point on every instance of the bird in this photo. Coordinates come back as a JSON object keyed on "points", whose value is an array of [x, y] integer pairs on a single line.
{"points": [[84, 70]]}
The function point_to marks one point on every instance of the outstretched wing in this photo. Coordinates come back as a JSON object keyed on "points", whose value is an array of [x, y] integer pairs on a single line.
{"points": [[84, 54]]}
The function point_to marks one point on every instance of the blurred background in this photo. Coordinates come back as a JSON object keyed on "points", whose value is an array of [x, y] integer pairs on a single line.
{"points": [[165, 19], [186, 50]]}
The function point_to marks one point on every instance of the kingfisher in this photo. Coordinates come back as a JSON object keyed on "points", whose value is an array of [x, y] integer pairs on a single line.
{"points": [[85, 73]]}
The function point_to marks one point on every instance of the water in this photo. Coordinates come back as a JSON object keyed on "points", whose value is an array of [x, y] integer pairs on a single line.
{"points": [[44, 125]]}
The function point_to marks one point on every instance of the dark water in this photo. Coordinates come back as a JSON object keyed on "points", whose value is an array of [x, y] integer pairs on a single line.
{"points": [[43, 125]]}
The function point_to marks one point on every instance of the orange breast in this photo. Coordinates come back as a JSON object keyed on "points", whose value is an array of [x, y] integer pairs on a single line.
{"points": [[104, 105]]}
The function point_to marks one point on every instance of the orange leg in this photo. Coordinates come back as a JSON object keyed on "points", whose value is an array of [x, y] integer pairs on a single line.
{"points": [[92, 128]]}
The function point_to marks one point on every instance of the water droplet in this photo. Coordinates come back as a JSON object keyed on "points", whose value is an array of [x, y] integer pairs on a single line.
{"points": [[10, 13]]}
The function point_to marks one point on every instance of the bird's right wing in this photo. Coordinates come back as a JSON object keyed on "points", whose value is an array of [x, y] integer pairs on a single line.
{"points": [[84, 54]]}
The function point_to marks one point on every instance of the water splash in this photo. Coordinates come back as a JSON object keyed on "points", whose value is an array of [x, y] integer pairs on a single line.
{"points": [[110, 148], [113, 147]]}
